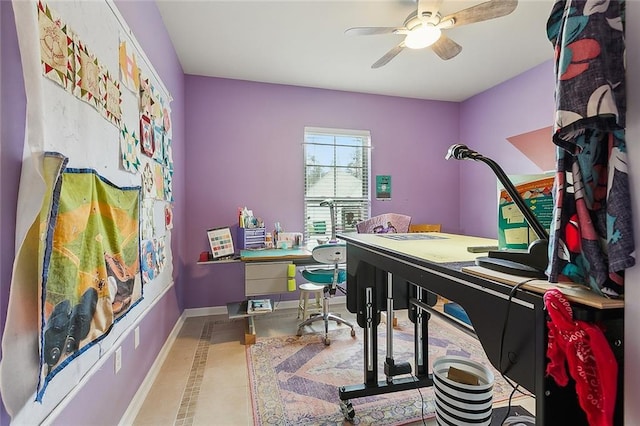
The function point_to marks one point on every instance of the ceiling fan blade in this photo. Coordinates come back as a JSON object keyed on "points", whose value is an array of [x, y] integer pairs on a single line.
{"points": [[431, 6], [388, 56], [446, 48], [372, 30], [482, 12]]}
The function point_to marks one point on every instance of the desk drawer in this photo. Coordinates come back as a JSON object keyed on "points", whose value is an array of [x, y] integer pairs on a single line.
{"points": [[268, 286], [260, 270], [265, 278]]}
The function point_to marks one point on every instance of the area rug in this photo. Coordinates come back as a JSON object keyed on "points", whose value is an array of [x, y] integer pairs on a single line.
{"points": [[295, 380], [512, 416]]}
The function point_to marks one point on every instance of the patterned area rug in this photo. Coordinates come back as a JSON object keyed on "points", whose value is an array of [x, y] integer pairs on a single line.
{"points": [[295, 380]]}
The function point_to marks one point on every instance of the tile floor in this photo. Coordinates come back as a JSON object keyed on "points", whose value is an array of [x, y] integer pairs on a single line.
{"points": [[204, 380]]}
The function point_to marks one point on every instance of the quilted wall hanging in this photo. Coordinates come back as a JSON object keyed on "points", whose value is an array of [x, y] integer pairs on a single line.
{"points": [[69, 307], [91, 273]]}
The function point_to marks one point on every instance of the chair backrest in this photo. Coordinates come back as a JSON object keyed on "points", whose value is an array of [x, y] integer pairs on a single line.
{"points": [[425, 227], [329, 254], [384, 223]]}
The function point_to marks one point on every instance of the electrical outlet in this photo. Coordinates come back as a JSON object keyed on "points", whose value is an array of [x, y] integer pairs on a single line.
{"points": [[118, 359], [136, 337]]}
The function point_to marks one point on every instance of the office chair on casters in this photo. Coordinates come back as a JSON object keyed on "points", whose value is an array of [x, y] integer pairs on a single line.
{"points": [[329, 254]]}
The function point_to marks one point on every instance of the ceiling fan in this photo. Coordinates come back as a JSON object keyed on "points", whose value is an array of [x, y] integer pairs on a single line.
{"points": [[424, 27]]}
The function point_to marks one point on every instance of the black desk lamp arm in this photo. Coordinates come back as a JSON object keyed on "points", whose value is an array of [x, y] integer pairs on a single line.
{"points": [[532, 262], [463, 152]]}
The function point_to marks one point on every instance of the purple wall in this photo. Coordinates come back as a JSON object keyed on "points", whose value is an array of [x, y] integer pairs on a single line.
{"points": [[245, 149], [12, 107], [146, 23], [520, 105]]}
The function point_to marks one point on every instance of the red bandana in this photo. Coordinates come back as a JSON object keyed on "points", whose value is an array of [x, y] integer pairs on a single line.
{"points": [[590, 360]]}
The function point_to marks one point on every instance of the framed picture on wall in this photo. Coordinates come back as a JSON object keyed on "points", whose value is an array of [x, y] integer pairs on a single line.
{"points": [[383, 187], [221, 242], [146, 136]]}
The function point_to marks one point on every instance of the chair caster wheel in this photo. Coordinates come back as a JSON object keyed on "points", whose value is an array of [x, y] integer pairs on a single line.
{"points": [[347, 410], [353, 333], [327, 341]]}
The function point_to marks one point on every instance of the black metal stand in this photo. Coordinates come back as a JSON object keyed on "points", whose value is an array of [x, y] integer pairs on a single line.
{"points": [[370, 318], [519, 352]]}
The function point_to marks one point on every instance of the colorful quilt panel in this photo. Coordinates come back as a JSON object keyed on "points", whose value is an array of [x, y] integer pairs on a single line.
{"points": [[158, 177], [148, 181], [111, 99], [148, 230], [129, 151], [147, 144], [91, 265], [56, 48], [88, 76], [149, 265], [161, 256], [168, 184], [146, 99], [158, 141], [168, 216], [168, 152], [129, 72]]}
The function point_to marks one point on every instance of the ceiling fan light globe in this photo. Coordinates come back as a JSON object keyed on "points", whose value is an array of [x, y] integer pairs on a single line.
{"points": [[422, 37]]}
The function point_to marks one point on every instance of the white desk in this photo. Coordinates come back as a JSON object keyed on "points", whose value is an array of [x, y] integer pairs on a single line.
{"points": [[266, 273]]}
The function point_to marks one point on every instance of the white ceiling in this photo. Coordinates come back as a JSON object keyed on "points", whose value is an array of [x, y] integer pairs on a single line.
{"points": [[302, 43]]}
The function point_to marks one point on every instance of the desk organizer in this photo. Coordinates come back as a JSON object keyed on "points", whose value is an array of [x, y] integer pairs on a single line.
{"points": [[251, 238]]}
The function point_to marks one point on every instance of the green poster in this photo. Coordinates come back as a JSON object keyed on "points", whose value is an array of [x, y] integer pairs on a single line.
{"points": [[383, 187], [536, 191]]}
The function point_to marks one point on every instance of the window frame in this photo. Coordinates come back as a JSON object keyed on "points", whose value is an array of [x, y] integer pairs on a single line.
{"points": [[348, 209]]}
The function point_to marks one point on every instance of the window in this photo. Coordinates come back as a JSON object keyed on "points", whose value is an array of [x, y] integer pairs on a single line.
{"points": [[336, 166]]}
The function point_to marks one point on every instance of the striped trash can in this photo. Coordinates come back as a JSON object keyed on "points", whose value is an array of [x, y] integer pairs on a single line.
{"points": [[460, 404]]}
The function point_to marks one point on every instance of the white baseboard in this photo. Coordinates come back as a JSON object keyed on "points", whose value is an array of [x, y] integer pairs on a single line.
{"points": [[138, 399]]}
